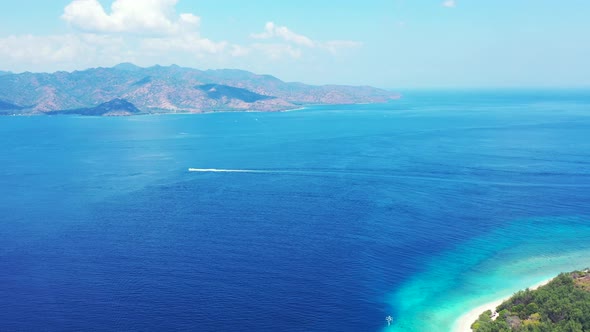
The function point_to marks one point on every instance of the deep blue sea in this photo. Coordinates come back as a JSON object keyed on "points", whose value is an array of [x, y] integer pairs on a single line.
{"points": [[420, 209]]}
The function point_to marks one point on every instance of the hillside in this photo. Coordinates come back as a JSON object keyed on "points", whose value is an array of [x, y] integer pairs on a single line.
{"points": [[561, 305], [115, 107], [5, 106], [173, 89]]}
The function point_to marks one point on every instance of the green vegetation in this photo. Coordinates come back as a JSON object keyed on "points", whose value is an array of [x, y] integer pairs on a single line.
{"points": [[563, 305], [113, 107], [218, 91]]}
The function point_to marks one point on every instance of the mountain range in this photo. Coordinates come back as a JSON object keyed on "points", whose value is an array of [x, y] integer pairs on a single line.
{"points": [[128, 89]]}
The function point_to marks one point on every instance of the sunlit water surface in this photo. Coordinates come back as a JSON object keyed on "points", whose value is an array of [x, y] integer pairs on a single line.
{"points": [[327, 219]]}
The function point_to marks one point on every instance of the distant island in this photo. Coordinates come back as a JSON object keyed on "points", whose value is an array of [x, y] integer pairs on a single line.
{"points": [[127, 89], [562, 305]]}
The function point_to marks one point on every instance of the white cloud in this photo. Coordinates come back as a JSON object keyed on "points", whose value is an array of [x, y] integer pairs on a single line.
{"points": [[60, 51], [238, 51], [291, 38], [449, 3], [190, 19], [148, 32], [190, 43], [271, 30], [133, 16], [151, 26]]}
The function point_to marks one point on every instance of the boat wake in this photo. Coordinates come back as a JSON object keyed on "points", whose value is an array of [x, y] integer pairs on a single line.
{"points": [[336, 172], [219, 170]]}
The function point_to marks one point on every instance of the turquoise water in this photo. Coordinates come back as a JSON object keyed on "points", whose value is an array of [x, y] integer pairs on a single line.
{"points": [[419, 209], [491, 267], [521, 252]]}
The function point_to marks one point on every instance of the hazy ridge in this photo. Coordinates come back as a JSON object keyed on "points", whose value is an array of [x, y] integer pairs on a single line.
{"points": [[171, 89]]}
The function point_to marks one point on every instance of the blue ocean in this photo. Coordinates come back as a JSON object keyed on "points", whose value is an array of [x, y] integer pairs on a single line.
{"points": [[329, 218]]}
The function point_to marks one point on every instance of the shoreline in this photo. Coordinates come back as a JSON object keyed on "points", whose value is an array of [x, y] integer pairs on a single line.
{"points": [[463, 323]]}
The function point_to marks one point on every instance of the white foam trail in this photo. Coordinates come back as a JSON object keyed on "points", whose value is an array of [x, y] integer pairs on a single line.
{"points": [[218, 170], [396, 176]]}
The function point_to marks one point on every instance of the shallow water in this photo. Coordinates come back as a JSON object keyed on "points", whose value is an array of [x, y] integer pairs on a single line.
{"points": [[421, 209]]}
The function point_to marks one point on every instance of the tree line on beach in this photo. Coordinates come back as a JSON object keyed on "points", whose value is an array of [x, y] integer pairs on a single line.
{"points": [[563, 305]]}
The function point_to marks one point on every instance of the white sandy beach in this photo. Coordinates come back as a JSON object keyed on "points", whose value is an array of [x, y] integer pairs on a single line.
{"points": [[463, 324]]}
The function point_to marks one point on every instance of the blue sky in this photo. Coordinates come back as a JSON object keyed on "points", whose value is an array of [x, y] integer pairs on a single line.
{"points": [[392, 44]]}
